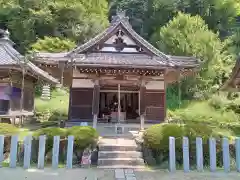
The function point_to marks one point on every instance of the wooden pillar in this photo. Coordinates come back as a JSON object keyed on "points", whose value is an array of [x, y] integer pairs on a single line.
{"points": [[179, 88], [142, 105], [95, 104], [22, 95], [61, 65], [119, 103], [11, 85], [70, 91]]}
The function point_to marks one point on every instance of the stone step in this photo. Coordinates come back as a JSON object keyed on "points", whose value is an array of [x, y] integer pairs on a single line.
{"points": [[119, 154], [120, 161], [121, 167], [117, 147]]}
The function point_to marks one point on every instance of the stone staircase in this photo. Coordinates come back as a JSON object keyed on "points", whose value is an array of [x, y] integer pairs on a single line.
{"points": [[119, 152]]}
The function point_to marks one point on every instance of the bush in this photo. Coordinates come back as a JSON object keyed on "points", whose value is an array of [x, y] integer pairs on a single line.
{"points": [[204, 113], [223, 103], [46, 124], [219, 102], [194, 130], [50, 132], [7, 130], [156, 138], [84, 136], [57, 115]]}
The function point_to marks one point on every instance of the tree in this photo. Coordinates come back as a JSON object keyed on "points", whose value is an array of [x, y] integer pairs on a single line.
{"points": [[232, 43], [188, 35], [147, 16], [28, 20], [52, 44]]}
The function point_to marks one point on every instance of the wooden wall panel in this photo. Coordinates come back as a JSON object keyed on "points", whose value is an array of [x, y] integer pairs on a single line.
{"points": [[154, 99], [82, 96], [28, 99], [155, 105], [81, 104], [155, 114]]}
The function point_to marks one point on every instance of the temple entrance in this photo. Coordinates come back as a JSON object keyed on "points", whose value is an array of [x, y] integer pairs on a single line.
{"points": [[109, 106]]}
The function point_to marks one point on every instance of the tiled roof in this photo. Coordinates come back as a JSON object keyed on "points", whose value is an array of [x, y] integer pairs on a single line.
{"points": [[5, 57], [125, 24], [157, 58], [140, 60], [9, 57], [184, 61], [118, 59]]}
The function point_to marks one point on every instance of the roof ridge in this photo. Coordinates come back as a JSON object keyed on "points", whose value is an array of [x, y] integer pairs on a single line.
{"points": [[93, 40], [128, 28]]}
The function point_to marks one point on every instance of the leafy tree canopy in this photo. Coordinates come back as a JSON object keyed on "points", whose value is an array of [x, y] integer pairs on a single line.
{"points": [[52, 44], [188, 35], [147, 16], [29, 20]]}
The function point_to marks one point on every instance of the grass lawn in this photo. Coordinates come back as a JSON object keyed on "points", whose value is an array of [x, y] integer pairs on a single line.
{"points": [[59, 101]]}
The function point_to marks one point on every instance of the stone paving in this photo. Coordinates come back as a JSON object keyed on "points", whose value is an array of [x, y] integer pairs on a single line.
{"points": [[180, 175], [110, 174], [124, 174]]}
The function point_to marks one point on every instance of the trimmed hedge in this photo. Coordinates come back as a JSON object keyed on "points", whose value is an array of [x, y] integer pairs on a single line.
{"points": [[84, 137], [7, 130], [156, 139]]}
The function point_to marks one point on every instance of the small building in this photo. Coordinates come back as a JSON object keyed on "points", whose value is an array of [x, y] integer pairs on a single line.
{"points": [[18, 78], [116, 76]]}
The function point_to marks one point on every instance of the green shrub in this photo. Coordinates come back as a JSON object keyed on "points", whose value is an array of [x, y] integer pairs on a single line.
{"points": [[204, 113], [46, 124], [157, 136], [194, 130], [57, 115], [50, 132], [219, 102], [8, 129], [223, 103], [84, 136]]}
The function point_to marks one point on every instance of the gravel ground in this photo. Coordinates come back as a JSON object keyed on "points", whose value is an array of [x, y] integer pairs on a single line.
{"points": [[91, 174], [59, 174], [180, 175]]}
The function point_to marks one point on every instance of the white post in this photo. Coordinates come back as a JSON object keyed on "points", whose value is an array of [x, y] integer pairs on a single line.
{"points": [[119, 104], [95, 121]]}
